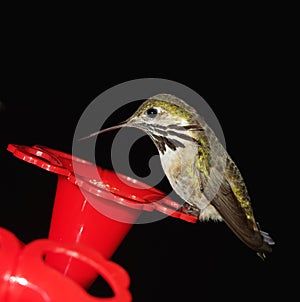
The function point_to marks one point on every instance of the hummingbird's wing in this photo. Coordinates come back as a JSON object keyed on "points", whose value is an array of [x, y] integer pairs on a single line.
{"points": [[237, 214], [225, 190]]}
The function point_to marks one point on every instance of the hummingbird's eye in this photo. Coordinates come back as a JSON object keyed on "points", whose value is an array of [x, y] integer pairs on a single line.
{"points": [[151, 112]]}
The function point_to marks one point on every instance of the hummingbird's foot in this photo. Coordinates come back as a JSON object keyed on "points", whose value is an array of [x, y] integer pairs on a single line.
{"points": [[190, 209]]}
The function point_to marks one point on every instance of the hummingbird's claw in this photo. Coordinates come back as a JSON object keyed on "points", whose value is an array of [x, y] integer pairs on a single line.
{"points": [[190, 209]]}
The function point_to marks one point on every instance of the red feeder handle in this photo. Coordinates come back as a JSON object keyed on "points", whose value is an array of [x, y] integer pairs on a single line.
{"points": [[24, 275]]}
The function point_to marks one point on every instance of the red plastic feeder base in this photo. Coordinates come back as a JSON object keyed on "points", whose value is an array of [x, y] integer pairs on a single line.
{"points": [[75, 218]]}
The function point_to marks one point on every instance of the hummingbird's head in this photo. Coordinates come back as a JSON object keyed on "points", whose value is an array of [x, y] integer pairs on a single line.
{"points": [[162, 111], [165, 118]]}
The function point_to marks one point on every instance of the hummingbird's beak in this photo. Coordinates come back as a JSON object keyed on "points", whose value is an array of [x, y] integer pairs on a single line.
{"points": [[124, 124]]}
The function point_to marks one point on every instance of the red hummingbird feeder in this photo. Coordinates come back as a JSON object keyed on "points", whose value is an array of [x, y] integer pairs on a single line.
{"points": [[81, 238]]}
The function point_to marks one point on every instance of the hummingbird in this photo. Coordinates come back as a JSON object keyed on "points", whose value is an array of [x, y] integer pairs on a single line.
{"points": [[198, 167]]}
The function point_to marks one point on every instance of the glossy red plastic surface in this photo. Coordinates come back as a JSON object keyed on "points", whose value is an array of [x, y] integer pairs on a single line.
{"points": [[114, 187], [76, 221], [26, 277]]}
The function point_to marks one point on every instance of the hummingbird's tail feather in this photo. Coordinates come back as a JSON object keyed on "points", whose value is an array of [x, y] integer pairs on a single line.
{"points": [[267, 238], [244, 228]]}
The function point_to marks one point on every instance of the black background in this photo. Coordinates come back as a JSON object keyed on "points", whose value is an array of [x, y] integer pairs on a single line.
{"points": [[45, 87]]}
